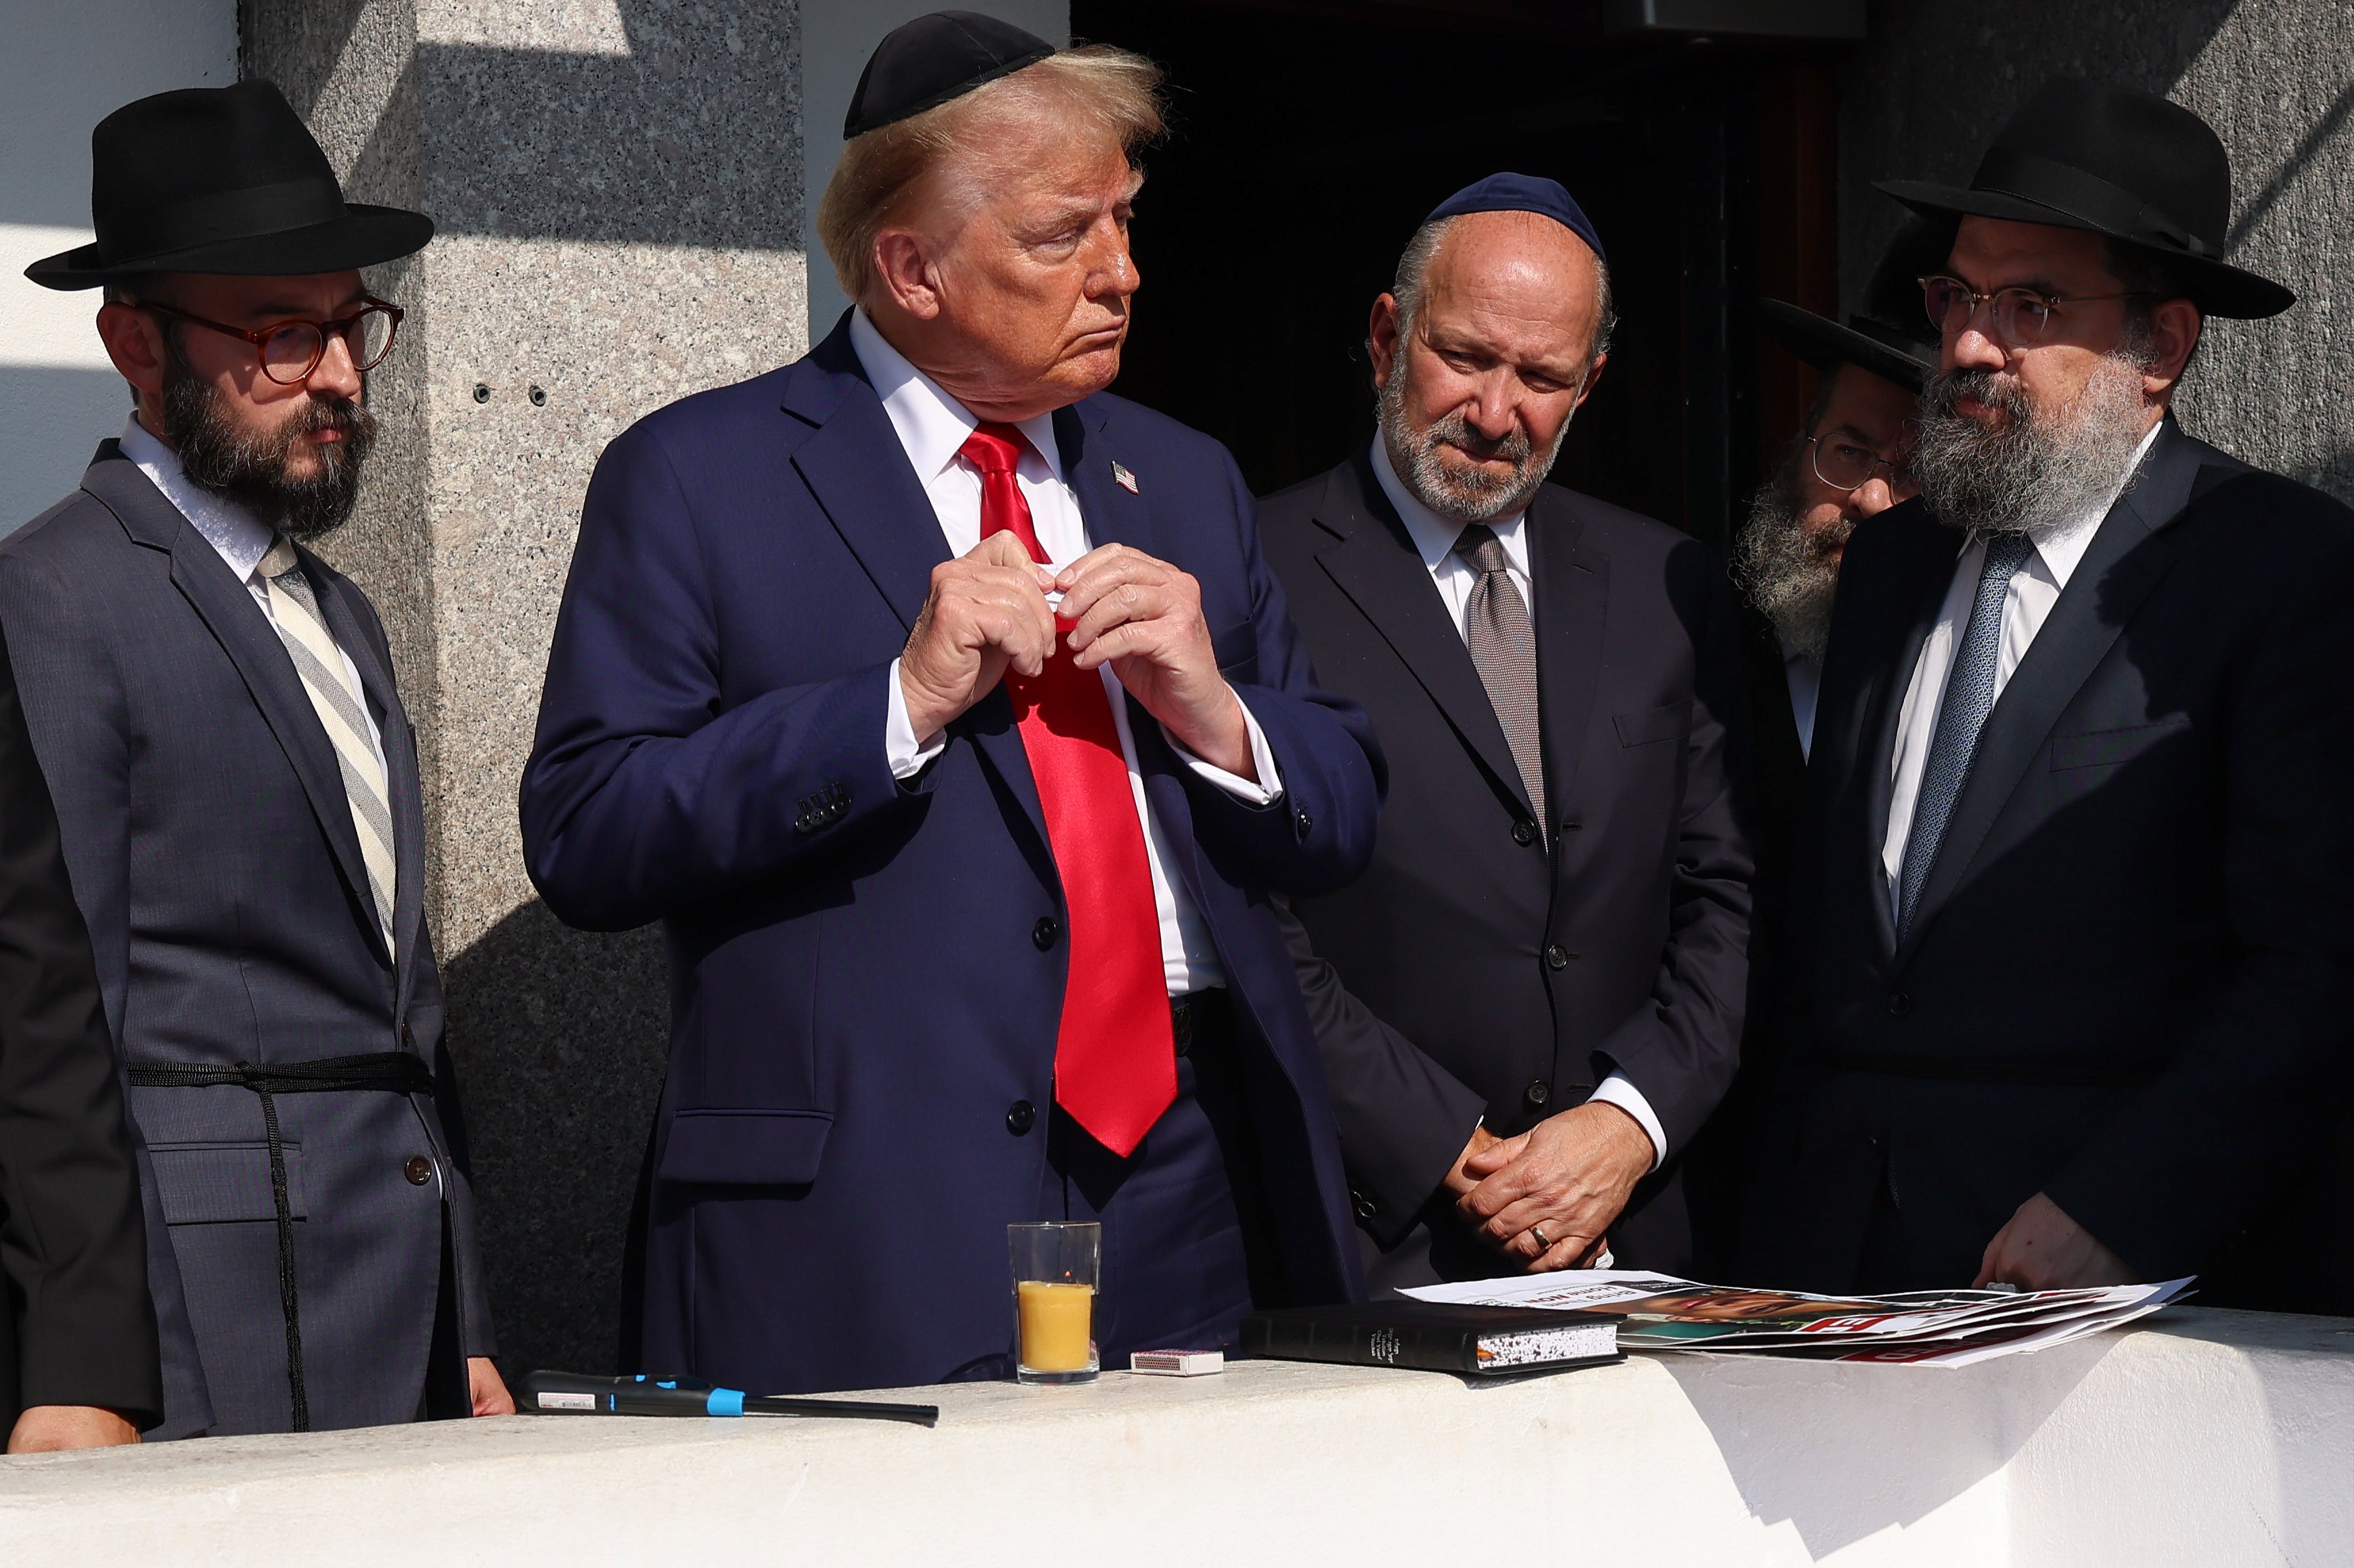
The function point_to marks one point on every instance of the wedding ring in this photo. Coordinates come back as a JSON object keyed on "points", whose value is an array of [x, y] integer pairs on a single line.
{"points": [[1543, 1245]]}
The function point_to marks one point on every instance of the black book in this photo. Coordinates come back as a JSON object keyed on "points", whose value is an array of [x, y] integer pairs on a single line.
{"points": [[1432, 1336]]}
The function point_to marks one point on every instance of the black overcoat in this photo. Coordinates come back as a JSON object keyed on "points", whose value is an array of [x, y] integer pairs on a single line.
{"points": [[2126, 983]]}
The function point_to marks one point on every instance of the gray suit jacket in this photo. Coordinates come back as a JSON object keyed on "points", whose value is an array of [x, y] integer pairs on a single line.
{"points": [[213, 855]]}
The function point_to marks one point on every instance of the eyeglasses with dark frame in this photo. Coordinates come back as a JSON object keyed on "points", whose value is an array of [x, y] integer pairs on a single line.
{"points": [[290, 350], [1848, 465], [2019, 314]]}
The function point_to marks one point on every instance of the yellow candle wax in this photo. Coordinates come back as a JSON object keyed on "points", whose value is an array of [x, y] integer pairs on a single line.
{"points": [[1056, 1322]]}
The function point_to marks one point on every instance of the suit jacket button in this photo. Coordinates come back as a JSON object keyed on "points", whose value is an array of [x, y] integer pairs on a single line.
{"points": [[1525, 832], [1556, 957], [1019, 1118], [1366, 1207], [1306, 823], [1899, 1004], [1536, 1095], [420, 1170], [1043, 935]]}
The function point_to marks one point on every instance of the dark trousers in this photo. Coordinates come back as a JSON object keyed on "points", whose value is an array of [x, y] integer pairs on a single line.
{"points": [[1188, 1241]]}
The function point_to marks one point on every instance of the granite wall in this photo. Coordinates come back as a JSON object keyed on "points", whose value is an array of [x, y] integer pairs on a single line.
{"points": [[2276, 78], [618, 189]]}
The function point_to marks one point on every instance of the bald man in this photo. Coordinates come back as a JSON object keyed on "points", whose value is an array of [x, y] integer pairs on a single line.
{"points": [[1532, 1001]]}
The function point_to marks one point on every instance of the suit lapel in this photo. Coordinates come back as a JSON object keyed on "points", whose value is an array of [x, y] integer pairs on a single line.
{"points": [[1572, 581], [226, 608], [2125, 561], [1375, 562], [1114, 514], [1924, 574], [334, 593], [859, 474]]}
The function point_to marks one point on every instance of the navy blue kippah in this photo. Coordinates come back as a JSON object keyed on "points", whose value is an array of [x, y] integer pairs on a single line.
{"points": [[1522, 192]]}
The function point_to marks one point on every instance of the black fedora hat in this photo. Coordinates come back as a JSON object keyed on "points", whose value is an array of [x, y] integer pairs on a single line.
{"points": [[2110, 160], [222, 179], [1889, 335]]}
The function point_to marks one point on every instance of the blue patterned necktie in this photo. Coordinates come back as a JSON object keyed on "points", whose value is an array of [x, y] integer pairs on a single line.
{"points": [[1961, 717]]}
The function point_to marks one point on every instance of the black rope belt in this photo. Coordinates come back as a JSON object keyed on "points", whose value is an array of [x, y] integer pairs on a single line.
{"points": [[395, 1072]]}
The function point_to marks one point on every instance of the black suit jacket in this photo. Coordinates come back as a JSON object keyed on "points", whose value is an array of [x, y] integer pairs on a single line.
{"points": [[2126, 981], [1474, 971], [76, 1327]]}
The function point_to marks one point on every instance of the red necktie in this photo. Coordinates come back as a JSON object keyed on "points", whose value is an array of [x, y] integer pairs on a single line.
{"points": [[1115, 1054]]}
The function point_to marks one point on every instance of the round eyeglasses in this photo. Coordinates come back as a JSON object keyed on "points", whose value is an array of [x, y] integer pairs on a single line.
{"points": [[1844, 465], [290, 350], [2020, 315]]}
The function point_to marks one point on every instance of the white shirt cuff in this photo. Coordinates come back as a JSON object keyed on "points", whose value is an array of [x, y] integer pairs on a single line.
{"points": [[1269, 788], [899, 748], [1619, 1090]]}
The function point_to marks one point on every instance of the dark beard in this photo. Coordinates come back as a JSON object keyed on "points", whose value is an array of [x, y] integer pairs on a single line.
{"points": [[252, 470], [2036, 470], [1472, 497], [1790, 574]]}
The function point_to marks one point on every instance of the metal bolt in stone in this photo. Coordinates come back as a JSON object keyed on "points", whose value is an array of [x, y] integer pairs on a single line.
{"points": [[481, 393], [539, 397]]}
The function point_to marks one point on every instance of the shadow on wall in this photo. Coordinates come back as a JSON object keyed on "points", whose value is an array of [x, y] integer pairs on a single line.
{"points": [[561, 1037], [1781, 1426], [642, 147], [54, 418]]}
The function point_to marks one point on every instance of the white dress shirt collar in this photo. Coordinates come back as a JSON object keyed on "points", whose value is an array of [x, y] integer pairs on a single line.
{"points": [[240, 537], [932, 427], [1435, 535]]}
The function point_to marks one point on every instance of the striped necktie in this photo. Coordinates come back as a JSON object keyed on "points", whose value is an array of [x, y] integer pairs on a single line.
{"points": [[334, 697]]}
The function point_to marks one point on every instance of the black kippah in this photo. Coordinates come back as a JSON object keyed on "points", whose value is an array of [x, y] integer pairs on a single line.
{"points": [[924, 63]]}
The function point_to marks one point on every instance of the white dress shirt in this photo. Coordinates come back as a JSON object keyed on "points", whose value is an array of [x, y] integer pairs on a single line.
{"points": [[932, 428], [1804, 679], [240, 538], [2035, 587], [1454, 577]]}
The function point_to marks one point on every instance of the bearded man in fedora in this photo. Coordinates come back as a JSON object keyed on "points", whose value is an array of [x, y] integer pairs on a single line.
{"points": [[236, 781], [2073, 951]]}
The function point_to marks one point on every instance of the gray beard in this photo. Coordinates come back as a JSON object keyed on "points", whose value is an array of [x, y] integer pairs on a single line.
{"points": [[1790, 576], [1460, 497], [2039, 470]]}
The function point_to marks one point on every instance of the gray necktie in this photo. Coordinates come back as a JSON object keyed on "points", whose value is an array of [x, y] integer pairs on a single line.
{"points": [[1504, 650], [1969, 698]]}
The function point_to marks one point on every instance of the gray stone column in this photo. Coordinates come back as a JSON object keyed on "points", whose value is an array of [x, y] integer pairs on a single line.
{"points": [[2276, 78], [617, 186]]}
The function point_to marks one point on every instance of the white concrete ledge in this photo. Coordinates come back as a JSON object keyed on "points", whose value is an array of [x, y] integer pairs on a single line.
{"points": [[2205, 1438]]}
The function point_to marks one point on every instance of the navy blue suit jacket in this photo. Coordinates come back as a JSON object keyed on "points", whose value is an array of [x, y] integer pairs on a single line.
{"points": [[858, 1001]]}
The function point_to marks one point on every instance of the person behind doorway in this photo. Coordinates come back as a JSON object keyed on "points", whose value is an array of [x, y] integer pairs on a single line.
{"points": [[1531, 1002], [1849, 462], [942, 709], [236, 781], [2073, 954]]}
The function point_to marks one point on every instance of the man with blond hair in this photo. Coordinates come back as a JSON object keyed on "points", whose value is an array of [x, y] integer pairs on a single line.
{"points": [[943, 710]]}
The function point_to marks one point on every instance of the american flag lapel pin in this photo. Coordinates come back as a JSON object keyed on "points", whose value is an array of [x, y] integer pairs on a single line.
{"points": [[1121, 477]]}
